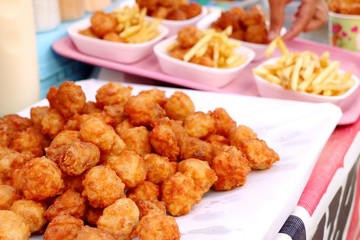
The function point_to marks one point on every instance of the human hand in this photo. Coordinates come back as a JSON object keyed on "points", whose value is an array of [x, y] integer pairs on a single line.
{"points": [[310, 15]]}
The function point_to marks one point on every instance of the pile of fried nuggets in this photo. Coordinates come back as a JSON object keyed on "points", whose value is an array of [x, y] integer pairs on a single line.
{"points": [[120, 167]]}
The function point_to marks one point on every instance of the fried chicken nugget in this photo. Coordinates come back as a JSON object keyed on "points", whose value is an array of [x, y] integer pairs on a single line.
{"points": [[68, 99], [143, 110], [13, 226], [258, 153], [157, 226], [92, 215], [136, 139], [97, 132], [180, 194], [164, 141], [12, 160], [91, 233], [63, 227], [32, 212], [120, 218], [189, 36], [144, 191], [57, 145], [204, 177], [37, 114], [77, 157], [52, 123], [158, 168], [196, 148], [129, 167], [102, 186], [70, 203], [257, 34], [191, 10], [241, 132], [112, 94], [39, 179], [29, 140], [223, 121], [102, 23], [218, 142], [8, 195], [179, 106], [200, 125], [231, 168]]}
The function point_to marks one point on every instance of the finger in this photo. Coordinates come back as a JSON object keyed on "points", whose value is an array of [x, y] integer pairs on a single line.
{"points": [[277, 13], [320, 17], [302, 18]]}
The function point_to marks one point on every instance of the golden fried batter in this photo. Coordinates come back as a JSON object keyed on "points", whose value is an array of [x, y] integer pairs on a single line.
{"points": [[120, 218], [231, 168], [180, 194], [102, 186], [112, 94], [32, 212], [8, 195], [158, 168], [39, 179], [63, 227], [91, 233], [13, 226], [157, 226], [144, 191]]}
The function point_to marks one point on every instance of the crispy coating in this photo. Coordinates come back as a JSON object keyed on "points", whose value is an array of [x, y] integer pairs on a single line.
{"points": [[144, 110], [96, 131], [200, 125], [52, 123], [204, 61], [39, 179], [37, 114], [129, 167], [70, 203], [102, 186], [8, 195], [253, 16], [30, 140], [32, 212], [176, 14], [164, 141], [63, 227], [232, 169], [12, 160], [240, 133], [160, 12], [136, 139], [155, 95], [180, 194], [112, 94], [68, 99], [116, 112], [191, 10], [120, 218], [77, 157], [223, 121], [73, 182], [258, 153], [91, 233], [200, 171], [189, 36], [256, 34], [218, 142], [226, 19], [157, 226], [13, 226], [150, 206], [148, 4], [113, 37], [58, 144], [178, 52], [144, 191], [102, 23], [158, 168], [196, 148]]}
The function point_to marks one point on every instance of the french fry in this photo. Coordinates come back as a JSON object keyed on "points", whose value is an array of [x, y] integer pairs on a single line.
{"points": [[305, 71]]}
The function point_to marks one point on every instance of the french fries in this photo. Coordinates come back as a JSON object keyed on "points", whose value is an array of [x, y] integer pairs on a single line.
{"points": [[223, 50], [133, 26], [305, 71]]}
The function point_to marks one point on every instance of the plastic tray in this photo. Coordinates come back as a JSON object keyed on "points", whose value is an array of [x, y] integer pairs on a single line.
{"points": [[244, 84]]}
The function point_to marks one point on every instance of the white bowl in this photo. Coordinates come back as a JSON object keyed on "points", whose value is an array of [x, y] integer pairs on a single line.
{"points": [[113, 51], [215, 77], [272, 90], [173, 25], [259, 49]]}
